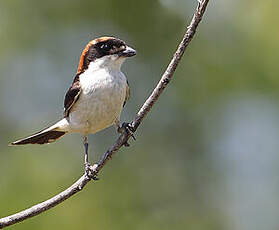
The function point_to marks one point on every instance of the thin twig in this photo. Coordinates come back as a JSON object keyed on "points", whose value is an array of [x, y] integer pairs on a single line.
{"points": [[123, 138]]}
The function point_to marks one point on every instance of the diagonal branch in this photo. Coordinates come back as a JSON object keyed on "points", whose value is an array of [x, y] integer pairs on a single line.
{"points": [[123, 138]]}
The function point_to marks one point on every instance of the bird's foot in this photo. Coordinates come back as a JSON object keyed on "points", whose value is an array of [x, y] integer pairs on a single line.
{"points": [[126, 127], [90, 171]]}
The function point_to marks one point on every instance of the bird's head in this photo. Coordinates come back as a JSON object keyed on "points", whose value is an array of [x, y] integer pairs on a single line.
{"points": [[104, 52]]}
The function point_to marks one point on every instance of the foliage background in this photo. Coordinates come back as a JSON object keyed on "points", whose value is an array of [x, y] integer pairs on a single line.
{"points": [[205, 158]]}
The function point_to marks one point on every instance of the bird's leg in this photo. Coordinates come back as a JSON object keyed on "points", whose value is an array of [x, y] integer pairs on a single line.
{"points": [[125, 127], [86, 163], [87, 168]]}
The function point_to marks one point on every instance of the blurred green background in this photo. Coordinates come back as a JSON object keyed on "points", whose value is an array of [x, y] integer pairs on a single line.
{"points": [[207, 155]]}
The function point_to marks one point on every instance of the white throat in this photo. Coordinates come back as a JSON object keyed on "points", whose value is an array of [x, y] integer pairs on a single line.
{"points": [[109, 62]]}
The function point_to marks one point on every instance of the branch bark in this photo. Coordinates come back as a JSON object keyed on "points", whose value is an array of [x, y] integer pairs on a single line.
{"points": [[123, 138]]}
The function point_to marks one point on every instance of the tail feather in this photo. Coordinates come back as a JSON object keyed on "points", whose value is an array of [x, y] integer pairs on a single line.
{"points": [[45, 136], [40, 138]]}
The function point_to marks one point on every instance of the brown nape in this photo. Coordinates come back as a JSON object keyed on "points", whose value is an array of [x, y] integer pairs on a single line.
{"points": [[81, 60], [98, 48], [40, 138]]}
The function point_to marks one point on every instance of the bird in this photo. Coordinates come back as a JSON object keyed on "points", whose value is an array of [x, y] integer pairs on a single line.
{"points": [[96, 97]]}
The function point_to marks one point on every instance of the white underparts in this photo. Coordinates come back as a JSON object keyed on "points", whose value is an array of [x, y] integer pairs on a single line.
{"points": [[103, 91]]}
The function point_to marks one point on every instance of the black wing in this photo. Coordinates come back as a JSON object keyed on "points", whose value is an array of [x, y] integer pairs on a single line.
{"points": [[127, 94], [72, 96]]}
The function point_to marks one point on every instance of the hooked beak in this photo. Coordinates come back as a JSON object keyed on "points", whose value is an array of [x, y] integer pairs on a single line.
{"points": [[128, 52]]}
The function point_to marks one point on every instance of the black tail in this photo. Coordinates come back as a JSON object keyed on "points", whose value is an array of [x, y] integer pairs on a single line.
{"points": [[42, 137]]}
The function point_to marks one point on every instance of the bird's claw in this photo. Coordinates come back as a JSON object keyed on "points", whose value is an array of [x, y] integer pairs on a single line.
{"points": [[126, 127], [90, 171]]}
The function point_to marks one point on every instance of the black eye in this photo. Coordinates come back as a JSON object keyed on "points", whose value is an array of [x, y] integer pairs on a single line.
{"points": [[105, 47]]}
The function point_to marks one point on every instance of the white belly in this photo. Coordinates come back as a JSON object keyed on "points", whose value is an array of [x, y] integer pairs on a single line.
{"points": [[100, 102]]}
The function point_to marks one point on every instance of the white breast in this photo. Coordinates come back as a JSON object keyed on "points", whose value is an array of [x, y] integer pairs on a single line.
{"points": [[100, 103]]}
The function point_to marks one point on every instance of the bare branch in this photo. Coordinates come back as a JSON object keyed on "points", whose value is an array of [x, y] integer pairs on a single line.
{"points": [[41, 207], [123, 138]]}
